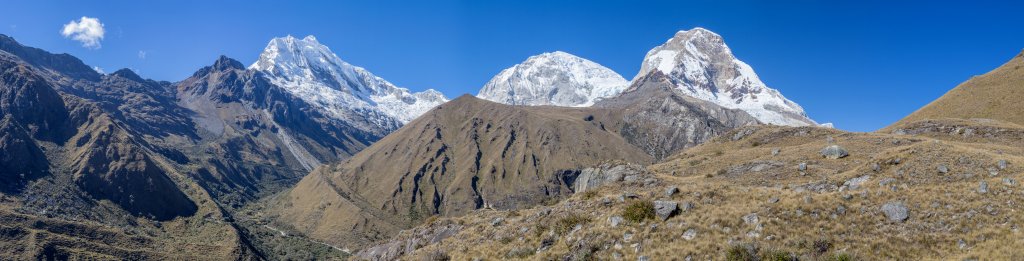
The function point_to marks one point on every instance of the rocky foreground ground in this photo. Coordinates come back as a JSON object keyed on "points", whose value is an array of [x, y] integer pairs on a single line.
{"points": [[936, 189]]}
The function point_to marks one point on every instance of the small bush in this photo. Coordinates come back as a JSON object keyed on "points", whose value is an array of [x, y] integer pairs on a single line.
{"points": [[842, 257], [639, 210], [505, 240], [431, 219], [694, 162], [741, 252], [821, 246], [539, 229], [567, 223], [520, 252], [778, 255], [437, 255]]}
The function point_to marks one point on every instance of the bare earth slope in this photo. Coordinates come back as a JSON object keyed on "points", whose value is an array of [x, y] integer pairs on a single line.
{"points": [[994, 95]]}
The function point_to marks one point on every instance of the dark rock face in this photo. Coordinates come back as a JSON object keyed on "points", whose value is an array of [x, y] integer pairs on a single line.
{"points": [[105, 161], [660, 120], [108, 165], [20, 159], [31, 101]]}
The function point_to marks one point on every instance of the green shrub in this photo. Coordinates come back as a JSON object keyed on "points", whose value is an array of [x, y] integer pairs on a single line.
{"points": [[638, 211], [539, 229], [520, 252], [437, 255], [694, 162], [741, 252], [842, 257], [821, 246], [777, 255], [567, 223]]}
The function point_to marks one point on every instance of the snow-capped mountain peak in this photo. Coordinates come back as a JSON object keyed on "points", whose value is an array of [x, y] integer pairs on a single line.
{"points": [[313, 72], [556, 78], [703, 66]]}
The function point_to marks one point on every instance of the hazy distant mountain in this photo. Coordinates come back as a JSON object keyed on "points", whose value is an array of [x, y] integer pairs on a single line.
{"points": [[310, 70], [702, 66], [555, 78]]}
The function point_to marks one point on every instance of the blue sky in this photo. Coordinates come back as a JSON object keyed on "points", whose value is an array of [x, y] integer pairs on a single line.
{"points": [[859, 64]]}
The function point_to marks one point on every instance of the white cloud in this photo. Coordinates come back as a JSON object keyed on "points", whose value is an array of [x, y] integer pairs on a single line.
{"points": [[98, 69], [142, 54], [87, 30]]}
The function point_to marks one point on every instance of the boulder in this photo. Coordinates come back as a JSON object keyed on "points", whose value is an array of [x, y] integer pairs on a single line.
{"points": [[591, 178], [690, 234], [665, 209], [615, 221], [687, 206], [855, 183], [834, 152], [751, 219], [895, 211], [671, 191]]}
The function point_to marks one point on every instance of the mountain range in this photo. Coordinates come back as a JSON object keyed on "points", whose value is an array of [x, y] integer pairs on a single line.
{"points": [[302, 155], [939, 184]]}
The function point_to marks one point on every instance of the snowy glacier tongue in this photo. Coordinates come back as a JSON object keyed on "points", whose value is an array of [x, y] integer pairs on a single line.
{"points": [[702, 66], [555, 78], [312, 72]]}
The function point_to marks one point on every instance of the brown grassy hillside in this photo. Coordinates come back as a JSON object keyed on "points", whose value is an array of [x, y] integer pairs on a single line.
{"points": [[463, 155], [994, 95], [749, 198]]}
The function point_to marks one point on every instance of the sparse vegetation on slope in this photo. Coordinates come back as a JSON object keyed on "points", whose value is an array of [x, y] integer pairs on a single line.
{"points": [[783, 201]]}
